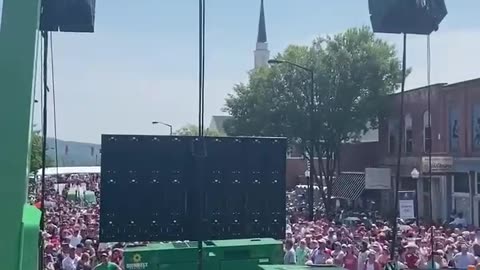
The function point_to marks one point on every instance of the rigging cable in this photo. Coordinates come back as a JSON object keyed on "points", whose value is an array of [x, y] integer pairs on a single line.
{"points": [[54, 104], [399, 154]]}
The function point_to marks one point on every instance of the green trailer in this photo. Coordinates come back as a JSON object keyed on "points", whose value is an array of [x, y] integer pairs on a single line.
{"points": [[241, 254]]}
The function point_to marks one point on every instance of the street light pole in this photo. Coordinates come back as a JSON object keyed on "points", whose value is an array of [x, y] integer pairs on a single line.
{"points": [[165, 124], [311, 106]]}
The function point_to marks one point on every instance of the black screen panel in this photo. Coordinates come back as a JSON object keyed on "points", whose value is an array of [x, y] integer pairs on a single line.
{"points": [[154, 187]]}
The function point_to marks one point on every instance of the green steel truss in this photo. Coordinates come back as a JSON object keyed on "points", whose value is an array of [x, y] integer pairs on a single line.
{"points": [[20, 222]]}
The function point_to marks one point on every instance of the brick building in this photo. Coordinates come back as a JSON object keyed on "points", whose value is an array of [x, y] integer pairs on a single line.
{"points": [[455, 121]]}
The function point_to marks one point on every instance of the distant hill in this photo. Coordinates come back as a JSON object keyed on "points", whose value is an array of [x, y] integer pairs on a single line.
{"points": [[74, 153]]}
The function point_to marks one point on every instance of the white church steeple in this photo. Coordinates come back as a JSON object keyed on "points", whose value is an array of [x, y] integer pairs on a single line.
{"points": [[262, 54]]}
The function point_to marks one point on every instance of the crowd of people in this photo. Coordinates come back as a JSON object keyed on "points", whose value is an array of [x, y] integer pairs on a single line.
{"points": [[71, 223], [72, 228], [366, 244]]}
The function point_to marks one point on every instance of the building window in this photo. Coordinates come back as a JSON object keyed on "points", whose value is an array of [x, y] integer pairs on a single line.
{"points": [[461, 183], [426, 185], [408, 134], [392, 136], [427, 135], [476, 128], [408, 184], [478, 184], [454, 129]]}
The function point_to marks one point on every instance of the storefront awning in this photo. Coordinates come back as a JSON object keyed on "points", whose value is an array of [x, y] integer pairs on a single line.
{"points": [[348, 186]]}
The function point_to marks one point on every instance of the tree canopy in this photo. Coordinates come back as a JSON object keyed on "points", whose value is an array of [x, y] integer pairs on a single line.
{"points": [[192, 130], [353, 72], [36, 152]]}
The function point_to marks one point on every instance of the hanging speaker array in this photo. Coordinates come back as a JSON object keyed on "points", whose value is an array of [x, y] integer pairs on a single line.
{"points": [[406, 16], [76, 16]]}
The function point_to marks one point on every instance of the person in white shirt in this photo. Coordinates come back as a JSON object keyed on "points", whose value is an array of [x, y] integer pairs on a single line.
{"points": [[76, 237], [70, 262], [459, 221]]}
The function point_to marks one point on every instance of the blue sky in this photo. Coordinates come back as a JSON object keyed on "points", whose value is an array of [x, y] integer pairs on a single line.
{"points": [[141, 65]]}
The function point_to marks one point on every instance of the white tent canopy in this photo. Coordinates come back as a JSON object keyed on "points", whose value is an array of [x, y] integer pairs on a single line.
{"points": [[70, 170]]}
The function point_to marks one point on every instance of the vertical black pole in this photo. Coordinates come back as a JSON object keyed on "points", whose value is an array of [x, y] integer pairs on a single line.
{"points": [[399, 154], [429, 147], [44, 144], [312, 157], [200, 151]]}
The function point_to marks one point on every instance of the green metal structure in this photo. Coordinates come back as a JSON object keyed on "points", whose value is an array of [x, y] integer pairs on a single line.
{"points": [[20, 222], [241, 254]]}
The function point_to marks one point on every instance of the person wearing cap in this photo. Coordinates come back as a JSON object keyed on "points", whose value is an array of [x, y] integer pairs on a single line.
{"points": [[105, 264]]}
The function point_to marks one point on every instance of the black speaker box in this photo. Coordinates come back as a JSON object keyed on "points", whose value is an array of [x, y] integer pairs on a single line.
{"points": [[406, 16], [50, 15], [68, 16], [154, 188]]}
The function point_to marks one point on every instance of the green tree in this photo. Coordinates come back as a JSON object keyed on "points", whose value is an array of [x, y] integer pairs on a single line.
{"points": [[353, 72], [192, 130], [36, 152]]}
